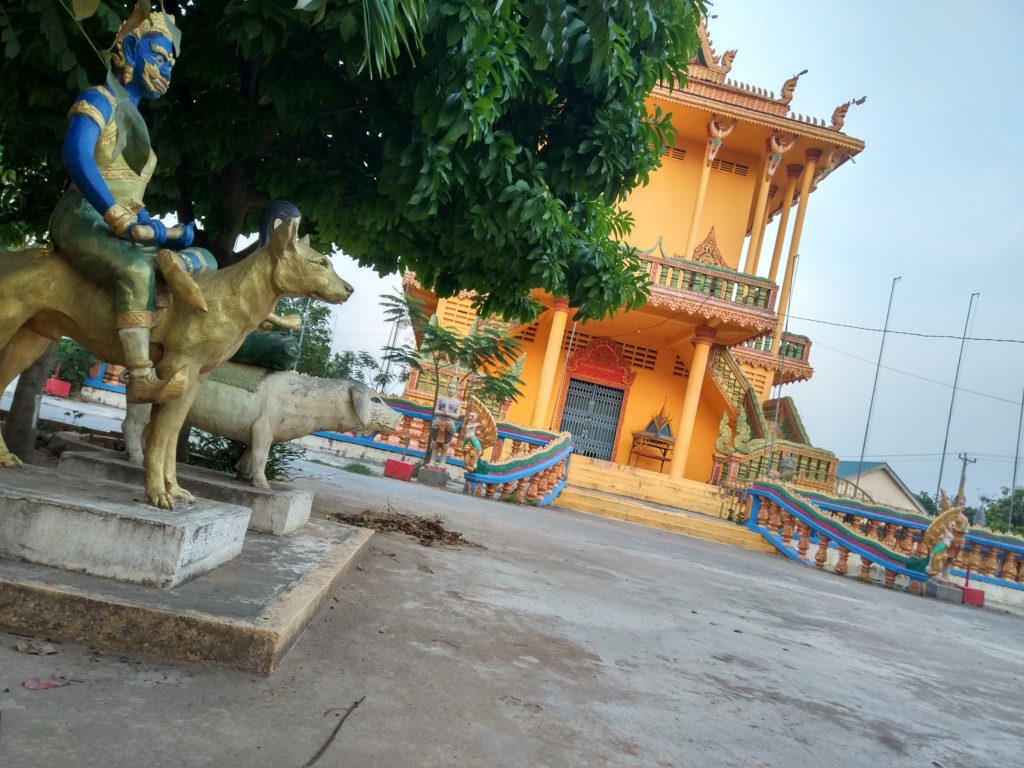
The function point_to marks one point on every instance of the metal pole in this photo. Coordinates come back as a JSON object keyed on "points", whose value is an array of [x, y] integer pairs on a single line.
{"points": [[565, 365], [1016, 457], [782, 370], [952, 399], [874, 387]]}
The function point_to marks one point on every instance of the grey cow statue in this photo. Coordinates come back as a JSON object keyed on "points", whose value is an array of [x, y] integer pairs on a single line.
{"points": [[260, 407]]}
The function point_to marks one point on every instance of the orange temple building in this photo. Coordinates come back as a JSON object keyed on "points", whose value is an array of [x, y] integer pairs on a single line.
{"points": [[683, 385]]}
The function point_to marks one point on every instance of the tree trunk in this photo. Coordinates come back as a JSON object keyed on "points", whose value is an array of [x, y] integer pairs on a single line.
{"points": [[20, 430]]}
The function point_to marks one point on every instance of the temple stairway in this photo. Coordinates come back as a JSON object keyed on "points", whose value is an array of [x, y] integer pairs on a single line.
{"points": [[653, 499]]}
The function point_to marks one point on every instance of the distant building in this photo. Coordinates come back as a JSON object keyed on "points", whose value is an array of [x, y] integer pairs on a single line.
{"points": [[880, 483]]}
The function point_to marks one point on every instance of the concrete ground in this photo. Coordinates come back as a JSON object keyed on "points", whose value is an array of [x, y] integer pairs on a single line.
{"points": [[569, 640]]}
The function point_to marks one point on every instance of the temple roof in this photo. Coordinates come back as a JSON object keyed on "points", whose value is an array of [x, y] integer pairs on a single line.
{"points": [[709, 88]]}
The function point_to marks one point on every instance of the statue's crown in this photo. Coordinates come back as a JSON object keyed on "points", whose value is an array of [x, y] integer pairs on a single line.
{"points": [[143, 22]]}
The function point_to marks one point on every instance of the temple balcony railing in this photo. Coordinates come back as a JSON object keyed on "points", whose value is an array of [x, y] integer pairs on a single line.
{"points": [[710, 291], [792, 363]]}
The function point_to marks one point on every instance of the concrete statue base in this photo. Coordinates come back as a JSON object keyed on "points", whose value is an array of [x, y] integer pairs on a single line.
{"points": [[433, 475], [278, 510], [106, 529], [246, 614], [951, 593]]}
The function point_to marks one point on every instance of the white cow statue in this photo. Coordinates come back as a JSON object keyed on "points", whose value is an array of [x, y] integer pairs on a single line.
{"points": [[260, 407]]}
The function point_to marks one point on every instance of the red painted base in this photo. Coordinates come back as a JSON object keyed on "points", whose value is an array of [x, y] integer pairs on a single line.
{"points": [[399, 470], [973, 596], [57, 388]]}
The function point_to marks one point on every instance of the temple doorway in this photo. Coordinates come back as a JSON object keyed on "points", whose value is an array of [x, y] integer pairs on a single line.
{"points": [[591, 415]]}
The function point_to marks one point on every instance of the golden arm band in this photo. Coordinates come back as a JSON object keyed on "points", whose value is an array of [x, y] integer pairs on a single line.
{"points": [[119, 218], [83, 107]]}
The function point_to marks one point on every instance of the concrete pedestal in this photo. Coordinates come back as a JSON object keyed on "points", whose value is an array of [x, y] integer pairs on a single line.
{"points": [[246, 614], [106, 529], [278, 511], [435, 476], [951, 593]]}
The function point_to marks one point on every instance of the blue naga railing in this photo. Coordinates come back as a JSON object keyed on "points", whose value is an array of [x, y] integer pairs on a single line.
{"points": [[993, 558], [414, 428], [538, 477], [534, 472], [792, 525]]}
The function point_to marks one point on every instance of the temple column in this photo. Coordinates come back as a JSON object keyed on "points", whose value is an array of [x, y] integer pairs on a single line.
{"points": [[691, 398], [776, 146], [548, 369], [793, 173], [756, 229], [718, 129], [812, 156]]}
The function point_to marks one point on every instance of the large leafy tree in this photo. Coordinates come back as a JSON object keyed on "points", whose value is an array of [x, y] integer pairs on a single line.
{"points": [[482, 144]]}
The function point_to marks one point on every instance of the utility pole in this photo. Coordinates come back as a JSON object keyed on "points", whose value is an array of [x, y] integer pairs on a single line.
{"points": [[878, 367], [961, 497], [1016, 457], [952, 399]]}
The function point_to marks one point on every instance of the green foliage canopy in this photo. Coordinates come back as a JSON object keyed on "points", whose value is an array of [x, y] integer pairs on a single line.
{"points": [[482, 145]]}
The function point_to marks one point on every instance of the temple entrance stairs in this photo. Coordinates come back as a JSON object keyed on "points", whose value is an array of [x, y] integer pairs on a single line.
{"points": [[649, 498]]}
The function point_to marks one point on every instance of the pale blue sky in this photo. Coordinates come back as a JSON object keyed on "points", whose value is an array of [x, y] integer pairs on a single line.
{"points": [[936, 198]]}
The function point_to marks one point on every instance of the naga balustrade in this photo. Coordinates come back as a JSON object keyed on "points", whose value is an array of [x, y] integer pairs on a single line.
{"points": [[992, 557], [536, 477], [719, 283], [527, 449], [793, 525]]}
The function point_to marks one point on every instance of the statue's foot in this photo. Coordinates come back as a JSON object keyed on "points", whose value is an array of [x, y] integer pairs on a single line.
{"points": [[8, 459], [180, 494], [147, 388], [261, 482], [179, 281], [160, 498]]}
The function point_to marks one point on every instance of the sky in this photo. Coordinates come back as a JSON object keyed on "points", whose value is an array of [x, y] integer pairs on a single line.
{"points": [[935, 198]]}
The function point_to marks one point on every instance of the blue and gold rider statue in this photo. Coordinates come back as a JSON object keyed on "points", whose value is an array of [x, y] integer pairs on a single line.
{"points": [[101, 225]]}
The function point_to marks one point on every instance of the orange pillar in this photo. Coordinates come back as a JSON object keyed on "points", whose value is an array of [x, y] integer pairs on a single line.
{"points": [[793, 173], [698, 203], [559, 314], [688, 414], [756, 226], [812, 156]]}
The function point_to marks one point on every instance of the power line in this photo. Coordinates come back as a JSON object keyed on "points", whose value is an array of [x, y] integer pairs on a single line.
{"points": [[908, 333], [915, 375]]}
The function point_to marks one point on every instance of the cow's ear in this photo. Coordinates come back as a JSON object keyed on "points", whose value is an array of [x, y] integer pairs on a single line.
{"points": [[360, 395]]}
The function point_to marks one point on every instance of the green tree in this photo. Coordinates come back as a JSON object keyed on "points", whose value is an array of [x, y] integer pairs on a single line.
{"points": [[483, 145], [925, 500], [482, 360], [359, 366], [315, 336], [997, 511], [73, 361]]}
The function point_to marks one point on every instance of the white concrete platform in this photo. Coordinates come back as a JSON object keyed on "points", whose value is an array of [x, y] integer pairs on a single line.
{"points": [[107, 529], [278, 510]]}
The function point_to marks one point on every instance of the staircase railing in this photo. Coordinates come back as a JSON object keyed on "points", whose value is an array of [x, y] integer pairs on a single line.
{"points": [[536, 477], [793, 525], [992, 557], [412, 435]]}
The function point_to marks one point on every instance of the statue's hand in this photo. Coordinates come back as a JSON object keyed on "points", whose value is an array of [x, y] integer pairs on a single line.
{"points": [[147, 229], [181, 236]]}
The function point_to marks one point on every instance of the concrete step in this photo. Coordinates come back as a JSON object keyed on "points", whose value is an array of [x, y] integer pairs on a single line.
{"points": [[696, 526], [644, 485]]}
